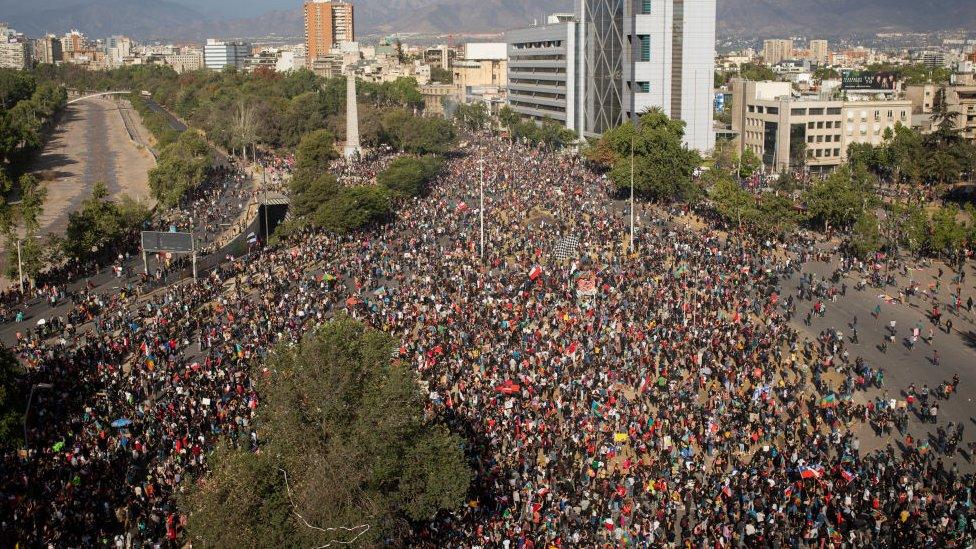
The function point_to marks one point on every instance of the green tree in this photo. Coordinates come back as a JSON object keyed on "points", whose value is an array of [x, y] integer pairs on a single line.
{"points": [[473, 116], [354, 208], [508, 118], [756, 72], [409, 176], [948, 234], [749, 163], [100, 222], [840, 199], [441, 75], [866, 236], [309, 195], [417, 135], [181, 167], [663, 166], [345, 444], [316, 151], [774, 215], [732, 201], [33, 195]]}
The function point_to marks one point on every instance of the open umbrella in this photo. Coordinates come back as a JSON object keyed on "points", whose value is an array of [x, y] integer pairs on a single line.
{"points": [[122, 422], [41, 322]]}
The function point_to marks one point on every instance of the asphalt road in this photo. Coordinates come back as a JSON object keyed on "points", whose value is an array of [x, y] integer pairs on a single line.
{"points": [[901, 366]]}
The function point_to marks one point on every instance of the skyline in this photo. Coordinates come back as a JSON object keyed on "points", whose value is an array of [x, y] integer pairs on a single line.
{"points": [[737, 19]]}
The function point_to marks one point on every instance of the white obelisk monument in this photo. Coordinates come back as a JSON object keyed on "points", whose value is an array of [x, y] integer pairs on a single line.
{"points": [[352, 118]]}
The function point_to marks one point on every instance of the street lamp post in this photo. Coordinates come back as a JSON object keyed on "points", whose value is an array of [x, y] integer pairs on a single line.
{"points": [[29, 399], [633, 241], [481, 207], [20, 268], [264, 174]]}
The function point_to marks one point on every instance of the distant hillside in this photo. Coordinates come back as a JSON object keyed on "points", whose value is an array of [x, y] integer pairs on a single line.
{"points": [[840, 17], [98, 18], [198, 19]]}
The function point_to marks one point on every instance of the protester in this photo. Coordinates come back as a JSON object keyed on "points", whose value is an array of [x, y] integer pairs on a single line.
{"points": [[609, 398]]}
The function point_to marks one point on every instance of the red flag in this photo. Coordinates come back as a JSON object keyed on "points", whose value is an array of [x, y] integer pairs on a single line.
{"points": [[535, 273]]}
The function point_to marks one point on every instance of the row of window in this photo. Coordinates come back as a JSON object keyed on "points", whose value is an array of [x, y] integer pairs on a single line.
{"points": [[815, 111], [820, 153], [536, 70], [823, 138], [821, 125], [538, 57], [544, 95], [536, 106], [534, 45], [877, 115]]}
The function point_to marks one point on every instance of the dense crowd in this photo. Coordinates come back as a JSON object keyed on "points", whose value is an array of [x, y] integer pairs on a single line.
{"points": [[609, 398]]}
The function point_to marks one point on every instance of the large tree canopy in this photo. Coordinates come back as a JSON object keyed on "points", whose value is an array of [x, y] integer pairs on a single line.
{"points": [[345, 444], [663, 166]]}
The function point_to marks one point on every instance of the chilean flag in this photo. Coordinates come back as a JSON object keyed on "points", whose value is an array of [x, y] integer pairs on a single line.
{"points": [[535, 273], [847, 475], [812, 471]]}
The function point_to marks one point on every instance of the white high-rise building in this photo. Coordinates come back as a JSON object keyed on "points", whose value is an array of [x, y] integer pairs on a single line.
{"points": [[620, 58], [218, 54], [669, 63]]}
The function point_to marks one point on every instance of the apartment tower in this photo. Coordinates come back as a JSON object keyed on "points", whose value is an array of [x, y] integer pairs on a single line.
{"points": [[327, 24]]}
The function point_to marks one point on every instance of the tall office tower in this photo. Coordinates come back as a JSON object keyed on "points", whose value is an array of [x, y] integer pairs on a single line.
{"points": [[48, 49], [819, 51], [777, 50], [327, 24], [352, 118], [218, 54], [640, 54]]}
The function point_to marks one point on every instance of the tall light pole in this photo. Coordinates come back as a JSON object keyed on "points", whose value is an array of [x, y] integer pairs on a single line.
{"points": [[20, 268], [267, 228], [633, 243], [481, 207]]}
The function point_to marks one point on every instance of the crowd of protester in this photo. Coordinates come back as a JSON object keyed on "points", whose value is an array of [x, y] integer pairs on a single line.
{"points": [[608, 398]]}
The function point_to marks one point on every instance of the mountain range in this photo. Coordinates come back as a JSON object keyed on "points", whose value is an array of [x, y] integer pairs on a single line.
{"points": [[195, 20]]}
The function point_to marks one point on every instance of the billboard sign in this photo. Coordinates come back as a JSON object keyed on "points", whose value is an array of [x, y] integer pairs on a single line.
{"points": [[153, 241], [864, 80]]}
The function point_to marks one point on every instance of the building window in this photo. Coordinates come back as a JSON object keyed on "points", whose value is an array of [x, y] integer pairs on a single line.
{"points": [[645, 7], [760, 108], [833, 110], [645, 47], [816, 112], [752, 108], [819, 125], [772, 110], [809, 125], [798, 112], [836, 152], [643, 87]]}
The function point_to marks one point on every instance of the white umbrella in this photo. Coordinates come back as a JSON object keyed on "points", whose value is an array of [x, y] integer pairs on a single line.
{"points": [[41, 322]]}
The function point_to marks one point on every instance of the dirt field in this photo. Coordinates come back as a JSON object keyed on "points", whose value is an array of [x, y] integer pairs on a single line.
{"points": [[92, 144]]}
